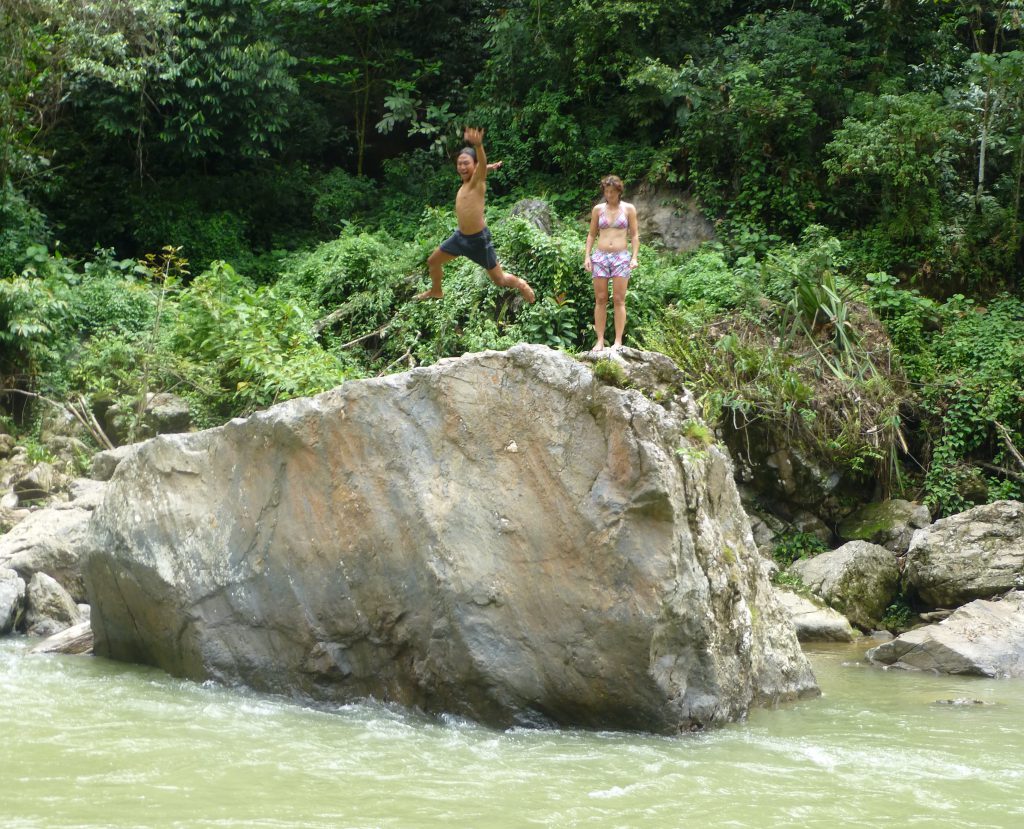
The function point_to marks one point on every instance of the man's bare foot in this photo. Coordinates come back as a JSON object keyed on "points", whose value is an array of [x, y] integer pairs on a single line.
{"points": [[431, 294], [525, 290]]}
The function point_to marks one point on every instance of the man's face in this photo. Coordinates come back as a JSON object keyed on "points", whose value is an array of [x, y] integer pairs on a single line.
{"points": [[465, 166]]}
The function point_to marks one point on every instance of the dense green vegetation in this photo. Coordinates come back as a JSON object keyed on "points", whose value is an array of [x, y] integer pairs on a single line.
{"points": [[234, 200]]}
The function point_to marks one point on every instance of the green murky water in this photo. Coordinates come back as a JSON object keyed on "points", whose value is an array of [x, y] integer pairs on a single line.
{"points": [[90, 743]]}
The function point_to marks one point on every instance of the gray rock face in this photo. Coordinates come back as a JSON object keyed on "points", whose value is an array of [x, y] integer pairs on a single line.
{"points": [[498, 536], [983, 638], [858, 579], [975, 554], [536, 212], [671, 218]]}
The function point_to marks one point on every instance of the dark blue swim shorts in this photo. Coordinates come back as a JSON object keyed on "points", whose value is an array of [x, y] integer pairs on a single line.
{"points": [[477, 247]]}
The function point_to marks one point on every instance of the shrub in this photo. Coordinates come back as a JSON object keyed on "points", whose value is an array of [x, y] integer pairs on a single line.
{"points": [[342, 199], [795, 546], [832, 396], [22, 226], [706, 277], [203, 235], [109, 298], [257, 344], [33, 310]]}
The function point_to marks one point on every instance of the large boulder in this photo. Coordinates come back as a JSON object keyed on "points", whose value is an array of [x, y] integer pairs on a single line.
{"points": [[982, 638], [975, 554], [858, 579], [498, 536]]}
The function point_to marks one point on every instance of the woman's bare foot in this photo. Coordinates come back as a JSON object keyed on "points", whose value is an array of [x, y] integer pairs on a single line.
{"points": [[525, 290], [598, 346], [431, 294]]}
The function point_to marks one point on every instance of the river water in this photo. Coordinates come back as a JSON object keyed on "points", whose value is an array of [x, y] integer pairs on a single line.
{"points": [[85, 742]]}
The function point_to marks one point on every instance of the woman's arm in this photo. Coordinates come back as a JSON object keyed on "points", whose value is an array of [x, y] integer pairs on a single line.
{"points": [[591, 235], [634, 234]]}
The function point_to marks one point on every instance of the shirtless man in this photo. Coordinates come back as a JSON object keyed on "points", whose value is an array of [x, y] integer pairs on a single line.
{"points": [[472, 239]]}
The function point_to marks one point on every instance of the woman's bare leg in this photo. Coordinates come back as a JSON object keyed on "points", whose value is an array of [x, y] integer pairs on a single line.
{"points": [[600, 311], [619, 285]]}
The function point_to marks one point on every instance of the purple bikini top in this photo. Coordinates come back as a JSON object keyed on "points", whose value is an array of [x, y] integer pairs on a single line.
{"points": [[620, 222]]}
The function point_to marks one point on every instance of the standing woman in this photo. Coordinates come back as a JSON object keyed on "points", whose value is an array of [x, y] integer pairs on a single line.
{"points": [[613, 223]]}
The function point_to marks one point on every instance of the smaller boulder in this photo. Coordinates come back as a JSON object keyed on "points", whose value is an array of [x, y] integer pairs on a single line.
{"points": [[7, 445], [766, 528], [977, 554], [49, 607], [49, 541], [858, 579], [106, 462], [167, 414], [983, 638], [67, 451], [38, 484], [164, 414], [814, 622], [809, 524], [60, 422]]}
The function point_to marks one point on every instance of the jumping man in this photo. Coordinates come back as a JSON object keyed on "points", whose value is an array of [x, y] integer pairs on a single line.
{"points": [[472, 239]]}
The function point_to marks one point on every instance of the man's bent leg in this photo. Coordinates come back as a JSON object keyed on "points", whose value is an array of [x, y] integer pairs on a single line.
{"points": [[510, 280], [435, 267]]}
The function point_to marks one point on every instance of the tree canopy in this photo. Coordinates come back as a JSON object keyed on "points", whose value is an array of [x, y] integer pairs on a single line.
{"points": [[274, 172]]}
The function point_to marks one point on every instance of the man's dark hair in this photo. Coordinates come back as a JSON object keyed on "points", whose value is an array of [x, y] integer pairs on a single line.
{"points": [[467, 151]]}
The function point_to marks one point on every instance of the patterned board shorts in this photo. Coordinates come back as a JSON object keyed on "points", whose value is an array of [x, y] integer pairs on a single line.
{"points": [[609, 264], [477, 247]]}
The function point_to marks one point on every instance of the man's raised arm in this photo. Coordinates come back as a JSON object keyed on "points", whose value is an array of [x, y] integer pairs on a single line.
{"points": [[474, 136]]}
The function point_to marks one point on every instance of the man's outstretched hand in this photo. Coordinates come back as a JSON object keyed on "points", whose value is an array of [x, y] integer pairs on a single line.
{"points": [[474, 136]]}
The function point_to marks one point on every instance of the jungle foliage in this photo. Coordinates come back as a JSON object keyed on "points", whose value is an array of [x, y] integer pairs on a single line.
{"points": [[234, 200]]}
